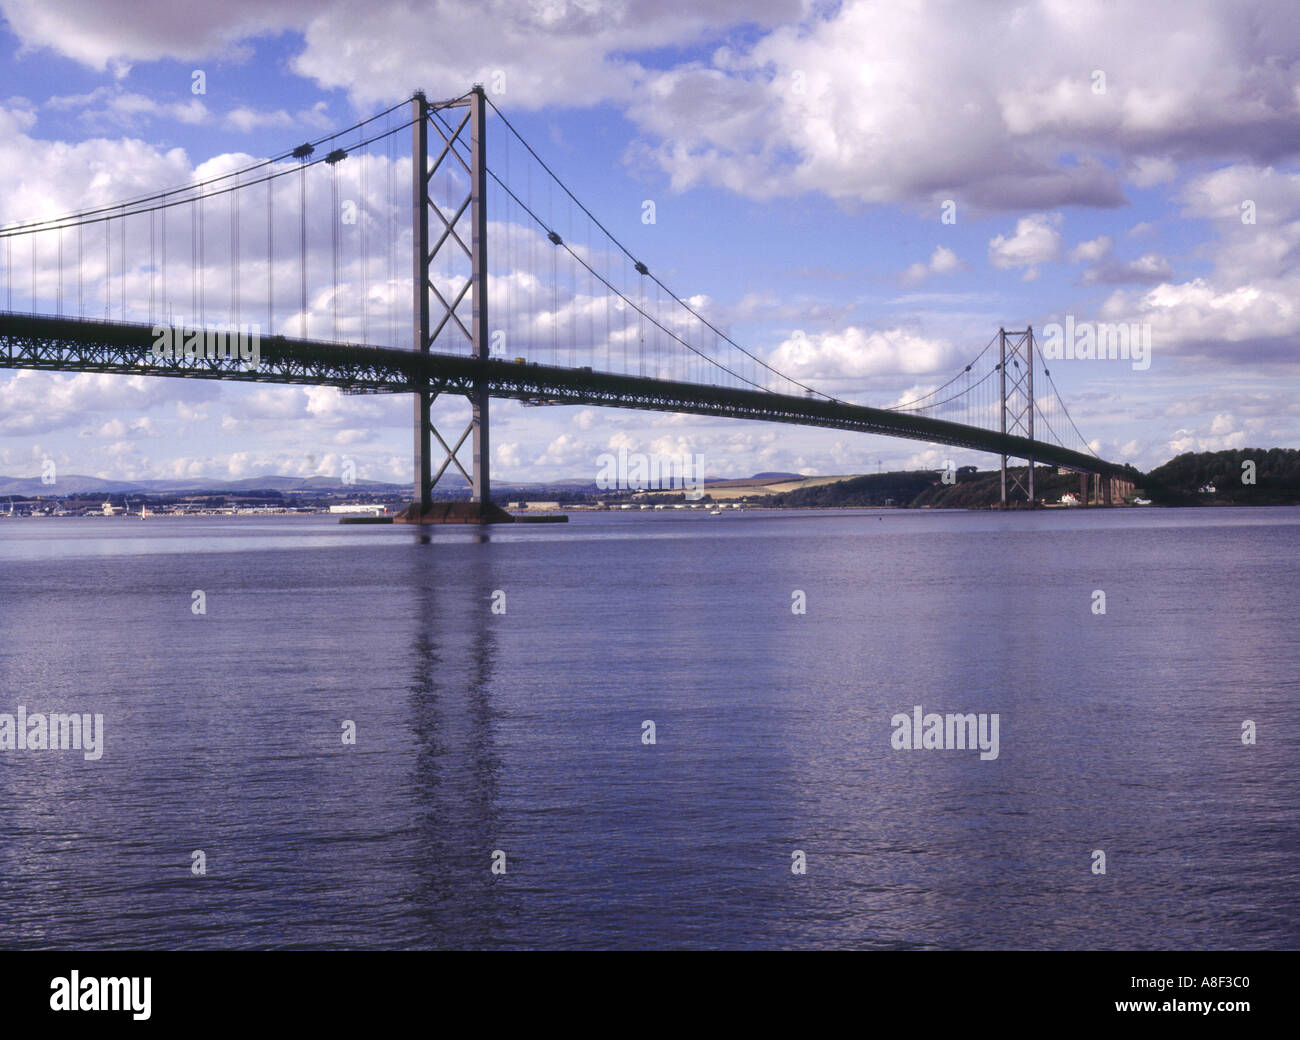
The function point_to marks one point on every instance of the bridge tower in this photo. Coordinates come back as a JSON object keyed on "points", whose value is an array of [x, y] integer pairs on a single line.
{"points": [[425, 254], [1016, 369]]}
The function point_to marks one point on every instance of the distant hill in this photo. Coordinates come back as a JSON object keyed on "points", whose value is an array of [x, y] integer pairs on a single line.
{"points": [[1276, 478], [1178, 482], [75, 483], [874, 489], [916, 489], [980, 490]]}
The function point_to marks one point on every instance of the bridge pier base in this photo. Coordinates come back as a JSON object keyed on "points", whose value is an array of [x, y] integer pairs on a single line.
{"points": [[480, 509]]}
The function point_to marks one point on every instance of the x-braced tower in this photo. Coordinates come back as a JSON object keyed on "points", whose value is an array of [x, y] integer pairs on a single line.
{"points": [[448, 321], [1016, 368]]}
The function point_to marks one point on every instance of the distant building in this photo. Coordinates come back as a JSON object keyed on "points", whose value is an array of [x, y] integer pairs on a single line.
{"points": [[368, 508]]}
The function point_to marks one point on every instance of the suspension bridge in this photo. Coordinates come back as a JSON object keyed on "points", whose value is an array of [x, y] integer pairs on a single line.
{"points": [[316, 265]]}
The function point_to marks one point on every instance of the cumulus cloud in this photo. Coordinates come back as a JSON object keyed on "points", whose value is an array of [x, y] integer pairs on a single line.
{"points": [[379, 50], [855, 354], [922, 101], [245, 119], [942, 261], [1200, 318], [1036, 241], [1092, 250], [114, 105], [1147, 269], [118, 429], [1246, 307], [1146, 171], [1107, 269], [998, 107], [37, 402], [113, 34]]}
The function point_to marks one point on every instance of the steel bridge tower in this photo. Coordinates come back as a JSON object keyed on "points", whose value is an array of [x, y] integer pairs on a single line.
{"points": [[1017, 350], [425, 254]]}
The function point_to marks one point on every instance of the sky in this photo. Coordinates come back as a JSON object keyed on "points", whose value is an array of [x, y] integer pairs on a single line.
{"points": [[860, 193]]}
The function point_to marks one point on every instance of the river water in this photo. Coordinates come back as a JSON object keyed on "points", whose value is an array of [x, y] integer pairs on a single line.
{"points": [[517, 738]]}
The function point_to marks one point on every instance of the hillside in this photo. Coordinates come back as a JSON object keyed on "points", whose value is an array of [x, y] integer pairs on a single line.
{"points": [[1180, 480], [875, 489]]}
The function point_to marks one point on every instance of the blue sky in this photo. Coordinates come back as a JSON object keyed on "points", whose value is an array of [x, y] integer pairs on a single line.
{"points": [[798, 156]]}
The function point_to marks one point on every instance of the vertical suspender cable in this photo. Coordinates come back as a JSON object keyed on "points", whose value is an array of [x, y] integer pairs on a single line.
{"points": [[194, 261], [362, 208], [508, 218], [555, 281], [389, 245], [166, 303], [270, 256], [591, 300], [573, 296], [302, 245], [234, 254], [153, 265], [203, 262], [334, 244]]}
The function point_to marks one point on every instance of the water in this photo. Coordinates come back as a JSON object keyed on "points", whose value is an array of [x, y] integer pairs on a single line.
{"points": [[522, 732]]}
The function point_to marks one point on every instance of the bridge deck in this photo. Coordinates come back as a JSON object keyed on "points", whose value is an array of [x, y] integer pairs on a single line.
{"points": [[81, 345]]}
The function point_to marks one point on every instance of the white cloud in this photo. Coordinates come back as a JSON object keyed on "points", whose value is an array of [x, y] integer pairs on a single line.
{"points": [[864, 102], [925, 101], [1148, 269], [244, 118], [855, 354], [1196, 317], [35, 402], [119, 107], [1147, 172], [1036, 241], [1246, 308], [942, 261], [112, 34], [1092, 250]]}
